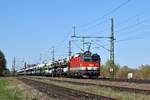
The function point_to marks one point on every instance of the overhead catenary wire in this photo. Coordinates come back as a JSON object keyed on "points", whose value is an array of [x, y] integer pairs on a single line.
{"points": [[102, 46], [106, 14], [95, 26], [133, 25], [137, 37], [60, 44], [137, 15], [133, 33], [77, 45], [134, 36], [123, 22]]}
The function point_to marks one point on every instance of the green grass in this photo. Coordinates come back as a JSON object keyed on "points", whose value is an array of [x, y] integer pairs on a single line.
{"points": [[8, 92]]}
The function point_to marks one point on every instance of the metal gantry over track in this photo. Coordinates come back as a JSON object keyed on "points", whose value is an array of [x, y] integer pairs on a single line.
{"points": [[111, 37]]}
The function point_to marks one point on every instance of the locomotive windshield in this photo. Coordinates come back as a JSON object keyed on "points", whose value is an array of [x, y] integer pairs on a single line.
{"points": [[87, 59], [95, 58]]}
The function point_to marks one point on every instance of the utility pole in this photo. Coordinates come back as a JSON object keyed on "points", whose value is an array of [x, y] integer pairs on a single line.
{"points": [[83, 41], [40, 58], [53, 55], [74, 31], [112, 41], [70, 49], [53, 58], [13, 66], [25, 66]]}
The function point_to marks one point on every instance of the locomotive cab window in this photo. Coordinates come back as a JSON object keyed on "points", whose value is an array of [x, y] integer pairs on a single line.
{"points": [[87, 59], [96, 58]]}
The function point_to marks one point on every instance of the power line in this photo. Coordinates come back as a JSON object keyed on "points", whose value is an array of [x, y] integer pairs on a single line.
{"points": [[125, 21], [144, 35], [133, 25], [77, 45], [134, 17], [136, 32], [62, 41], [133, 38], [111, 11], [137, 35], [96, 25], [60, 44], [103, 46]]}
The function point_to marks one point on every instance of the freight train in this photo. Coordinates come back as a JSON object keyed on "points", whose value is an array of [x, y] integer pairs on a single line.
{"points": [[80, 65]]}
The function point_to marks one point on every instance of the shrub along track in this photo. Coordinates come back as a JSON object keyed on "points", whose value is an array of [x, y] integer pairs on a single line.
{"points": [[62, 93], [120, 88]]}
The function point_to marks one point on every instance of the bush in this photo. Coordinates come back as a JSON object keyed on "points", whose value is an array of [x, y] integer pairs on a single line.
{"points": [[123, 72], [143, 72], [105, 69], [2, 62]]}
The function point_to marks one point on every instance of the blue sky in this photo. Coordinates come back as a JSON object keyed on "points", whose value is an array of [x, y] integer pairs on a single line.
{"points": [[30, 28]]}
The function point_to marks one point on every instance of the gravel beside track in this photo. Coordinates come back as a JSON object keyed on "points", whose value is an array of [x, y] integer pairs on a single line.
{"points": [[61, 93]]}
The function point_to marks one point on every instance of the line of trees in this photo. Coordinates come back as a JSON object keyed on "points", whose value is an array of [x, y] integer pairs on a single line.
{"points": [[142, 72], [2, 63]]}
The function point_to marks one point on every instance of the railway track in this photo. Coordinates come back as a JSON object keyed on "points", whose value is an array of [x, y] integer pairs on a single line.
{"points": [[126, 80], [62, 93], [120, 88]]}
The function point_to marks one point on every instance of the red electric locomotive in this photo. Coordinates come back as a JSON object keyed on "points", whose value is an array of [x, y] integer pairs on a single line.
{"points": [[85, 65]]}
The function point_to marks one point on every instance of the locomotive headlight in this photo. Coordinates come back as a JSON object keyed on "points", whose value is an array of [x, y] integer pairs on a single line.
{"points": [[91, 65]]}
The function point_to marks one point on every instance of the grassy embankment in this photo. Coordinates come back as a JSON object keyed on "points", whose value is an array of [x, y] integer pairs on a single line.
{"points": [[8, 91]]}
